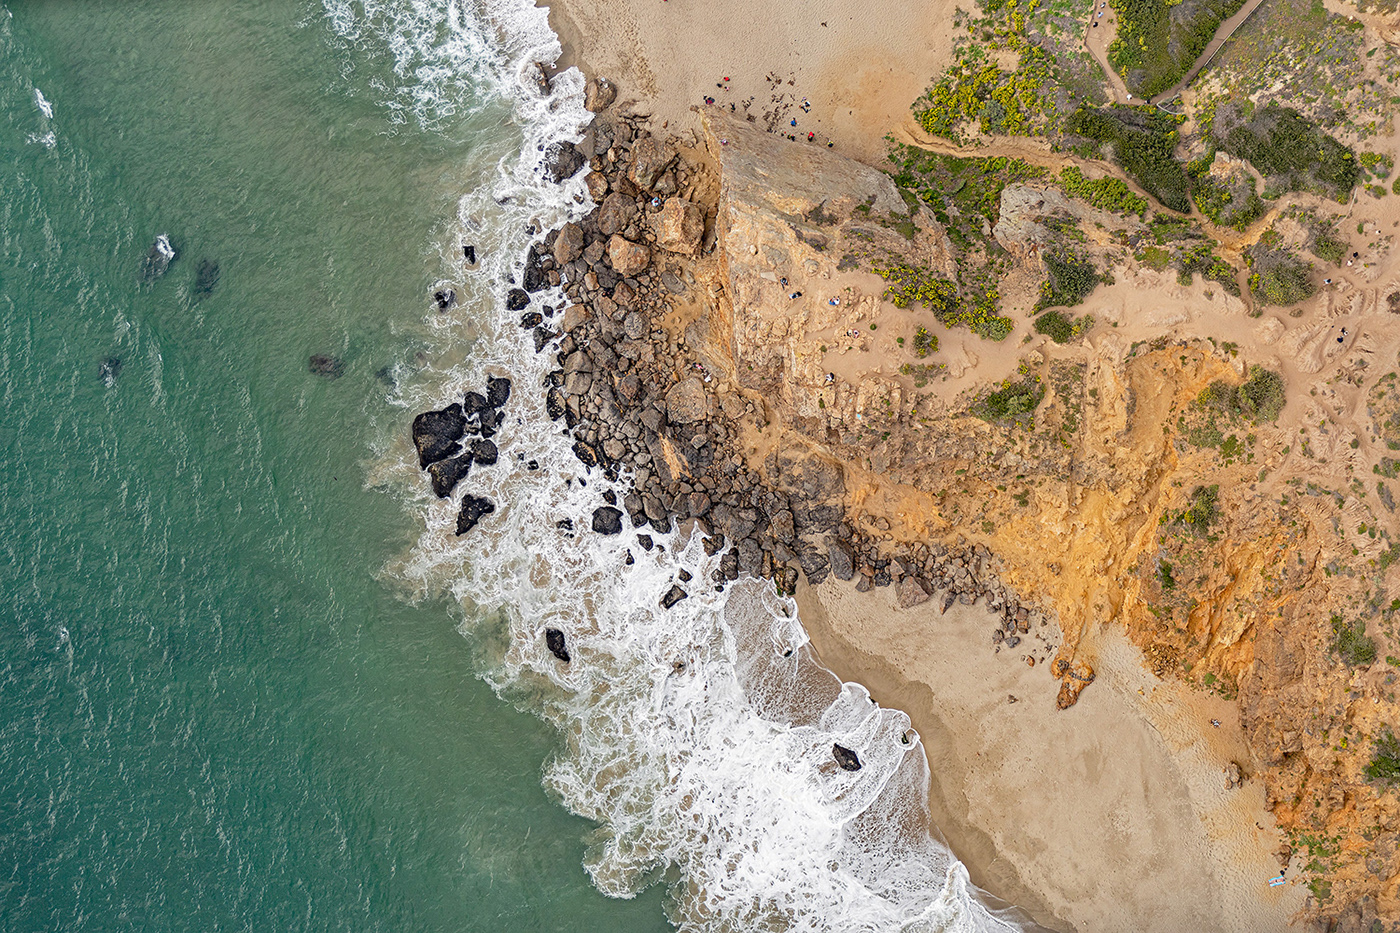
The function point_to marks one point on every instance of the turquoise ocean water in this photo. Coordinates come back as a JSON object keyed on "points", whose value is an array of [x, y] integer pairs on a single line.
{"points": [[247, 726], [249, 679]]}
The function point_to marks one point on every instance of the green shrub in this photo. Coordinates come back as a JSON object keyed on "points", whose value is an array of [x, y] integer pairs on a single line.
{"points": [[1014, 401], [1107, 194], [1143, 143], [1277, 276], [1203, 508], [1056, 326], [1350, 642], [1293, 153], [1262, 396], [1384, 767], [924, 343], [1327, 245], [1234, 205], [1154, 257], [1071, 279], [1159, 40]]}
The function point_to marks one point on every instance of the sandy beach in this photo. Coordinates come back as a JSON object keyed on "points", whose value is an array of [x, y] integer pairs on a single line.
{"points": [[1112, 815]]}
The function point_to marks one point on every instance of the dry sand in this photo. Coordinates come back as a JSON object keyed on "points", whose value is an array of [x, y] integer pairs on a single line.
{"points": [[859, 64], [1112, 815]]}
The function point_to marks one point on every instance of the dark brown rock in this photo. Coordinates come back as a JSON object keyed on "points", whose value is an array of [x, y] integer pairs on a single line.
{"points": [[435, 434], [474, 508], [846, 758]]}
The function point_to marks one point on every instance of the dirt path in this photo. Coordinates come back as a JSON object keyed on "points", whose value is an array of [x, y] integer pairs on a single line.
{"points": [[1222, 34]]}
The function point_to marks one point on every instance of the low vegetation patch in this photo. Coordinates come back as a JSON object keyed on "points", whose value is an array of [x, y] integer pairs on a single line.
{"points": [[1259, 398], [1059, 327], [1201, 258], [1229, 202], [1143, 142], [1070, 279], [1350, 642], [1384, 767], [1013, 402], [1107, 194], [1276, 276], [1290, 151], [1159, 40]]}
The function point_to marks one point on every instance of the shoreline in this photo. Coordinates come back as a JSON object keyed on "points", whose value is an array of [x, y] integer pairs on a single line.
{"points": [[1018, 789], [997, 795]]}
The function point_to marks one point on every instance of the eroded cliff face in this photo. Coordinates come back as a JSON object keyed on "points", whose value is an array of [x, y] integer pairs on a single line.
{"points": [[1113, 480]]}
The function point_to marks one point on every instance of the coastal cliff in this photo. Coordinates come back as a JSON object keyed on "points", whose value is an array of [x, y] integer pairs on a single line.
{"points": [[745, 339]]}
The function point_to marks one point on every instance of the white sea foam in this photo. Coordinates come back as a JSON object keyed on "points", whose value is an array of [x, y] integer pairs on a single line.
{"points": [[699, 738], [43, 104]]}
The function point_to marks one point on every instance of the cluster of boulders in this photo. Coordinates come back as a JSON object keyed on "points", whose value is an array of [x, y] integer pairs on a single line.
{"points": [[450, 440]]}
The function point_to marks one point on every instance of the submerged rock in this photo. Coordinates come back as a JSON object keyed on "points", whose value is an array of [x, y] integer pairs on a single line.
{"points": [[446, 474], [847, 759], [554, 641], [328, 366], [446, 299], [157, 260], [110, 368], [469, 253], [435, 434], [474, 508], [206, 277]]}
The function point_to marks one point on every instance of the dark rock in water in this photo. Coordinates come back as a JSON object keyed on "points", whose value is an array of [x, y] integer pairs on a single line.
{"points": [[543, 336], [473, 403], [554, 404], [535, 277], [561, 161], [532, 465], [446, 474], [206, 276], [157, 260], [847, 759], [609, 497], [385, 374], [497, 391], [435, 434], [489, 420], [328, 366], [531, 319], [586, 454], [607, 520], [473, 509], [446, 299], [685, 575], [469, 253], [517, 299], [554, 641], [110, 368], [565, 524], [484, 452], [674, 595], [645, 541]]}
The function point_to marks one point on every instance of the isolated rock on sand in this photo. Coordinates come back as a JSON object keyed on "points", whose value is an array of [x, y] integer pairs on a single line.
{"points": [[568, 246], [627, 258], [909, 592], [847, 759], [650, 157], [598, 94], [1073, 679], [842, 558], [686, 402], [679, 226]]}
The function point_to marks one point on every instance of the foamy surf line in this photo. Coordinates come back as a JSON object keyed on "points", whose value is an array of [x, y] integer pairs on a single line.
{"points": [[700, 738]]}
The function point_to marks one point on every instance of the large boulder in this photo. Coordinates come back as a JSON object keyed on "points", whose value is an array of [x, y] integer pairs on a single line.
{"points": [[910, 592], [650, 157], [607, 520], [843, 559], [686, 402], [627, 258], [598, 94], [535, 278], [554, 641], [435, 434], [562, 161], [846, 758], [474, 508], [616, 213], [568, 246], [679, 226], [446, 474]]}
